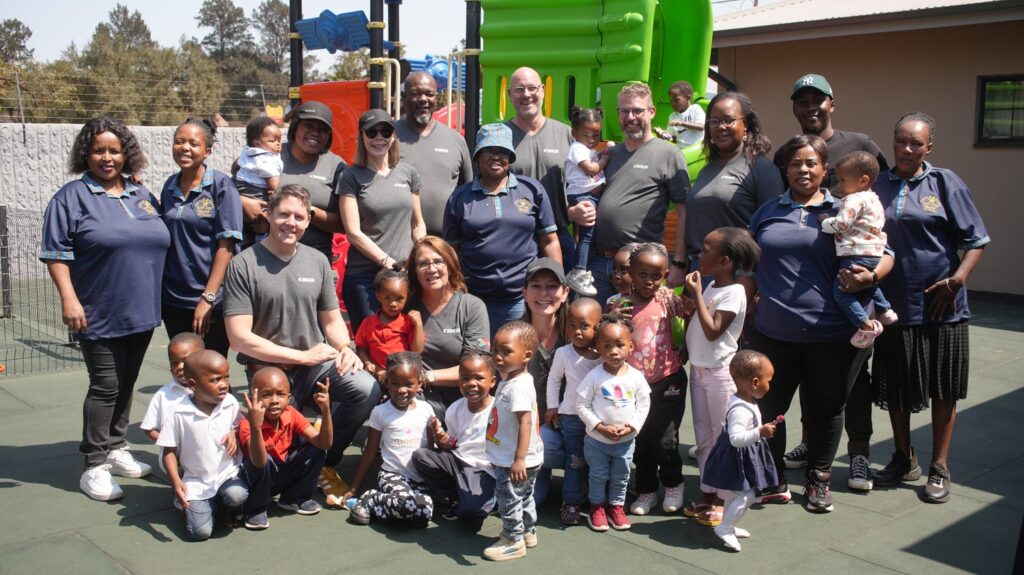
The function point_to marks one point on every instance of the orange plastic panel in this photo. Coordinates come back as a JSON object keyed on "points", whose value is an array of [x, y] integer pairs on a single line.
{"points": [[347, 101]]}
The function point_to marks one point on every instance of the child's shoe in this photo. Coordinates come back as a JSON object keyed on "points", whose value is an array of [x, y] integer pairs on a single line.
{"points": [[728, 536], [888, 317], [581, 282], [98, 484], [570, 514], [359, 514], [122, 463], [257, 522], [741, 532], [307, 507], [818, 492], [865, 337], [644, 503], [617, 518], [712, 517], [597, 519], [692, 452], [694, 509], [673, 499], [778, 494], [796, 458], [505, 549], [333, 487], [530, 538]]}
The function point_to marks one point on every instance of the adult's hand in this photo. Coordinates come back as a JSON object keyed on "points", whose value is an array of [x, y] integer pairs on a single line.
{"points": [[347, 361], [201, 317], [855, 278], [74, 315], [253, 210], [676, 277], [943, 297], [583, 214], [318, 354]]}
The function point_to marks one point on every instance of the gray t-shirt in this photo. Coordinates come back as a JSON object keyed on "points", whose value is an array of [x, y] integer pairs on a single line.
{"points": [[284, 298], [542, 157], [319, 178], [385, 210], [640, 185], [461, 325], [442, 159], [727, 194]]}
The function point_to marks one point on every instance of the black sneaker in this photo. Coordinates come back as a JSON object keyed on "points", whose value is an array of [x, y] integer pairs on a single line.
{"points": [[796, 458], [860, 474], [570, 514], [937, 488], [900, 469], [818, 492], [778, 494]]}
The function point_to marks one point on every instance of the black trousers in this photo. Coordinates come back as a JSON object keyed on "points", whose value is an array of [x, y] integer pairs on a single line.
{"points": [[656, 455], [858, 414], [179, 320], [827, 371], [113, 365]]}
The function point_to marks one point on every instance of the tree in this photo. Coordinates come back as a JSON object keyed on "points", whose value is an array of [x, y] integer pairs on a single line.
{"points": [[270, 19], [14, 37], [230, 28], [351, 65]]}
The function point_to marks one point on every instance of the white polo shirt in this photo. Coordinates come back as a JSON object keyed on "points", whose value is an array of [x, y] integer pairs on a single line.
{"points": [[203, 460]]}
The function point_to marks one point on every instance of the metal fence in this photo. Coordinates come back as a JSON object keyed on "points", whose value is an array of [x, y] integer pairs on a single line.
{"points": [[33, 338]]}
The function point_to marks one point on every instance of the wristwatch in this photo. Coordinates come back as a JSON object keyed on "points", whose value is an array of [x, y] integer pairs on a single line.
{"points": [[209, 297], [430, 377], [680, 265]]}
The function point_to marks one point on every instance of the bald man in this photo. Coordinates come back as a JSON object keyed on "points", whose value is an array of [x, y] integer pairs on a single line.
{"points": [[541, 147], [438, 153]]}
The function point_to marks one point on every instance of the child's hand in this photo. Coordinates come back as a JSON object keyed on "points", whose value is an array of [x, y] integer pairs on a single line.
{"points": [[693, 283], [256, 409], [823, 217], [608, 431], [684, 354], [551, 417], [348, 495], [321, 397], [517, 473], [767, 430], [622, 308], [179, 492], [230, 442], [414, 315], [625, 430]]}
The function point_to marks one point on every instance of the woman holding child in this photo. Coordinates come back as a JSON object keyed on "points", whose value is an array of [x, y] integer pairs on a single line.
{"points": [[797, 323], [104, 247]]}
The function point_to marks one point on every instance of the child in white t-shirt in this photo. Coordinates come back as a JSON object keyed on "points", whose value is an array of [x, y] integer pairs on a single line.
{"points": [[161, 406], [612, 402], [259, 168], [584, 182], [686, 122], [513, 440], [397, 429], [712, 338]]}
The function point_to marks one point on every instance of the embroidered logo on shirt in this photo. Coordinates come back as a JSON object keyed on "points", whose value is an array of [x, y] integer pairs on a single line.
{"points": [[524, 205], [316, 177], [451, 330], [204, 207], [639, 166], [147, 206], [306, 280], [552, 151], [401, 185], [441, 150], [930, 204]]}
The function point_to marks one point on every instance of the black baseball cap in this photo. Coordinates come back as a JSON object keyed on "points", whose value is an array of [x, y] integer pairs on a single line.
{"points": [[373, 117]]}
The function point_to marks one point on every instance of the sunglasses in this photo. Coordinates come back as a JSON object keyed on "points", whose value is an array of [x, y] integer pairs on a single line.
{"points": [[385, 131]]}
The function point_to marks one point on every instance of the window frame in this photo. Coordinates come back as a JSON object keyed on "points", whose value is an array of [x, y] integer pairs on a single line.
{"points": [[979, 117]]}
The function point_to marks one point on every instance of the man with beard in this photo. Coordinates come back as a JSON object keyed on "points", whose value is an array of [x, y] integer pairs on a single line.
{"points": [[643, 176], [541, 146], [438, 153]]}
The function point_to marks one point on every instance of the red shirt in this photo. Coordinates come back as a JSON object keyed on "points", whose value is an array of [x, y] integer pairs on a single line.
{"points": [[382, 340], [278, 440]]}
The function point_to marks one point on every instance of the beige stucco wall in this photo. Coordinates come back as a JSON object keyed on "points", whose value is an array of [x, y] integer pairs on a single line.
{"points": [[878, 77]]}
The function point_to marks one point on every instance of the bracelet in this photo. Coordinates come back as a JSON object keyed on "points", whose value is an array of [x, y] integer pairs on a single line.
{"points": [[874, 278]]}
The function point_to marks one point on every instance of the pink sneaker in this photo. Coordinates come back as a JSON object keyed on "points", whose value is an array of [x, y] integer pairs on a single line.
{"points": [[617, 518], [888, 317], [864, 338], [597, 519]]}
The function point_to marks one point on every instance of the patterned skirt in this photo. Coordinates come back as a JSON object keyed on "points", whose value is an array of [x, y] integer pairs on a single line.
{"points": [[914, 364]]}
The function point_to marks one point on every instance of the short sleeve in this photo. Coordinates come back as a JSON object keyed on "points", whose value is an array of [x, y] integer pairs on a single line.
{"points": [[577, 153], [466, 171], [228, 224], [519, 398], [328, 299], [377, 419], [768, 183], [299, 422], [476, 329], [678, 178], [59, 226], [362, 338], [967, 227], [695, 114], [170, 432], [452, 228], [268, 165], [452, 419], [415, 182], [545, 215], [153, 415], [244, 432], [237, 289], [733, 300], [348, 185]]}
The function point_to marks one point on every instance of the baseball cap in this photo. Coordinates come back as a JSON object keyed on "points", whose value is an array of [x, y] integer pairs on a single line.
{"points": [[541, 264], [314, 111], [373, 117], [814, 81]]}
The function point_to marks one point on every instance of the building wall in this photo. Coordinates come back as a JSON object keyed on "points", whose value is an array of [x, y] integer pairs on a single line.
{"points": [[877, 78]]}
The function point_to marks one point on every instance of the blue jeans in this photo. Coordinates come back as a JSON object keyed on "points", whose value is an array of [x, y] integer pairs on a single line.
{"points": [[601, 267], [515, 502], [850, 303], [200, 512], [359, 296], [568, 245], [554, 458], [573, 432], [585, 234], [501, 312], [609, 467]]}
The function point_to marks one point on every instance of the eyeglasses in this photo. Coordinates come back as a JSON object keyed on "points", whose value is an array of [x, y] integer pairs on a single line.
{"points": [[627, 112], [727, 122], [385, 131], [530, 89], [427, 264]]}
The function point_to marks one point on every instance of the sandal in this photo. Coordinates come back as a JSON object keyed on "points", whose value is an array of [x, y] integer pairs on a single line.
{"points": [[696, 508], [712, 517]]}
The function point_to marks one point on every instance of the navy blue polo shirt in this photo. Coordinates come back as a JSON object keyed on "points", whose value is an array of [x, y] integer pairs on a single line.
{"points": [[115, 248], [496, 235], [929, 219], [197, 221], [796, 271]]}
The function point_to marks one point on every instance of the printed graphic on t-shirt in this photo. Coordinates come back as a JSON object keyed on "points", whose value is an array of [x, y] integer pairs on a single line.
{"points": [[492, 426], [615, 395], [405, 437]]}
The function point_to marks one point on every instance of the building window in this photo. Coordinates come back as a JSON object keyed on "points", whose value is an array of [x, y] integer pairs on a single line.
{"points": [[1000, 111]]}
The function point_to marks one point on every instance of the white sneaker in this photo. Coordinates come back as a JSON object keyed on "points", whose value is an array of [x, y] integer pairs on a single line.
{"points": [[644, 503], [692, 452], [505, 549], [728, 536], [673, 499], [98, 484], [741, 532], [582, 282], [122, 463]]}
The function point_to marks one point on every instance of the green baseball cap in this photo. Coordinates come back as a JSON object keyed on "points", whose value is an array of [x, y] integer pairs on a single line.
{"points": [[815, 81]]}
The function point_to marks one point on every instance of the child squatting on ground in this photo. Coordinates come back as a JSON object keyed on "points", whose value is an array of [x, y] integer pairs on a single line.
{"points": [[259, 169], [584, 182], [712, 338], [612, 402], [165, 400], [571, 363], [513, 445], [200, 436], [740, 462], [456, 468], [859, 241], [390, 330], [397, 428], [285, 457]]}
